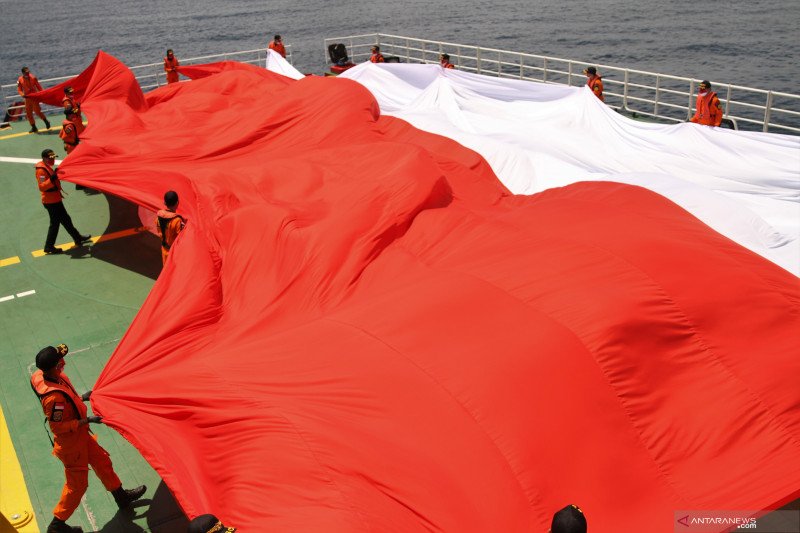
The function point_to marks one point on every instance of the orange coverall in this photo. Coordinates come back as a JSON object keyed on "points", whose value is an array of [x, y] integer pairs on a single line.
{"points": [[169, 225], [77, 118], [26, 86], [69, 134], [709, 110], [446, 64], [73, 444], [170, 66], [278, 47], [377, 58], [595, 83], [49, 186]]}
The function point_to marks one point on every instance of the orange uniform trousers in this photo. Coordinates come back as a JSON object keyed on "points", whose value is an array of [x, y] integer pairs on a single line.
{"points": [[82, 452], [31, 107]]}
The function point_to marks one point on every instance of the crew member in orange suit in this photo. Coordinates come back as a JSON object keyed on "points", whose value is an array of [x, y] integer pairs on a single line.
{"points": [[27, 84], [444, 60], [73, 443], [169, 223], [171, 65], [376, 56], [277, 44], [594, 82], [708, 108], [70, 105], [69, 132], [50, 187]]}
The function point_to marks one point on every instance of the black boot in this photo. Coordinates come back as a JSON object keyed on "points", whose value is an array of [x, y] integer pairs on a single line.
{"points": [[125, 497], [82, 239], [46, 123], [34, 129], [59, 526]]}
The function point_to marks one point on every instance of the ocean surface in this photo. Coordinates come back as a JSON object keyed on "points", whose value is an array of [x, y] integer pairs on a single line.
{"points": [[745, 42]]}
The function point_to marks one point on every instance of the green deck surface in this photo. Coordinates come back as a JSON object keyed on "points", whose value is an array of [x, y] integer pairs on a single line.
{"points": [[85, 298]]}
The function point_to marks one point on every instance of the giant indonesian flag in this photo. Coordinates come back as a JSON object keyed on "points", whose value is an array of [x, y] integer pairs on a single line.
{"points": [[362, 329]]}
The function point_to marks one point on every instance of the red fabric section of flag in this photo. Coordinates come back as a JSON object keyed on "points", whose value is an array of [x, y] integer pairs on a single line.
{"points": [[360, 329]]}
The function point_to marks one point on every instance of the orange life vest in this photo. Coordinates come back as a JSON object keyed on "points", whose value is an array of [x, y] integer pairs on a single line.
{"points": [[595, 83], [278, 47], [28, 86], [447, 64], [709, 109], [76, 118], [44, 387], [48, 184], [377, 58], [170, 67]]}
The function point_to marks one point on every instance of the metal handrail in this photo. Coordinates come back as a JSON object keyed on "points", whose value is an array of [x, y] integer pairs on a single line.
{"points": [[660, 96]]}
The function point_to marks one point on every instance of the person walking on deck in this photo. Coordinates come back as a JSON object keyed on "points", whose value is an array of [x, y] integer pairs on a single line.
{"points": [[169, 224], [27, 84], [50, 188], [171, 65], [708, 108], [73, 442]]}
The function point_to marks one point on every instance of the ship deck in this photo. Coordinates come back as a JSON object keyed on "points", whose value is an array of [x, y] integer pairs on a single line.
{"points": [[86, 298]]}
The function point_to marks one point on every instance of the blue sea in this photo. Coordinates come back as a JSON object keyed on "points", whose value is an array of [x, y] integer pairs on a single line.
{"points": [[746, 42]]}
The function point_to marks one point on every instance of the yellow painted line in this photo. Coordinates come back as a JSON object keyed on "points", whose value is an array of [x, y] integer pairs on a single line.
{"points": [[9, 261], [13, 135], [102, 238], [15, 505]]}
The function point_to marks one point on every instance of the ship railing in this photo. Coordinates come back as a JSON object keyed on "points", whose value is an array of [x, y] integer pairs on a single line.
{"points": [[149, 76], [637, 93]]}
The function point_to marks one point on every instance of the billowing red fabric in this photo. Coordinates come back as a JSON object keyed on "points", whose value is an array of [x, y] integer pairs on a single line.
{"points": [[360, 329]]}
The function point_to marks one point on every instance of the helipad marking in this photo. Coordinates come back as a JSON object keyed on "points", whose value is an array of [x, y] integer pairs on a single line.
{"points": [[101, 238], [9, 261], [6, 298], [26, 293], [26, 160]]}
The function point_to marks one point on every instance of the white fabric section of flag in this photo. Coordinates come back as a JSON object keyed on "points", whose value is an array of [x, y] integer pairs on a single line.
{"points": [[536, 136], [276, 63]]}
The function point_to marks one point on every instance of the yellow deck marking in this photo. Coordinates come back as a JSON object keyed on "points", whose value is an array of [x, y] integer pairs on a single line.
{"points": [[15, 505], [102, 238], [9, 261]]}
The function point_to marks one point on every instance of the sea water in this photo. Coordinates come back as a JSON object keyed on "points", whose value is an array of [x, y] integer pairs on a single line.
{"points": [[746, 42]]}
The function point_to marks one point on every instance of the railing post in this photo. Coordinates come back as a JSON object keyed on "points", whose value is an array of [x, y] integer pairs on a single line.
{"points": [[478, 58], [569, 73], [727, 101], [458, 55], [521, 76], [625, 90], [423, 52], [408, 51], [691, 94], [658, 94], [768, 111], [544, 74], [499, 65]]}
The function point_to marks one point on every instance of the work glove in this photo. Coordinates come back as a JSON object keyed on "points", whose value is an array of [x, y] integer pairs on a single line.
{"points": [[86, 395], [62, 349], [94, 419]]}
